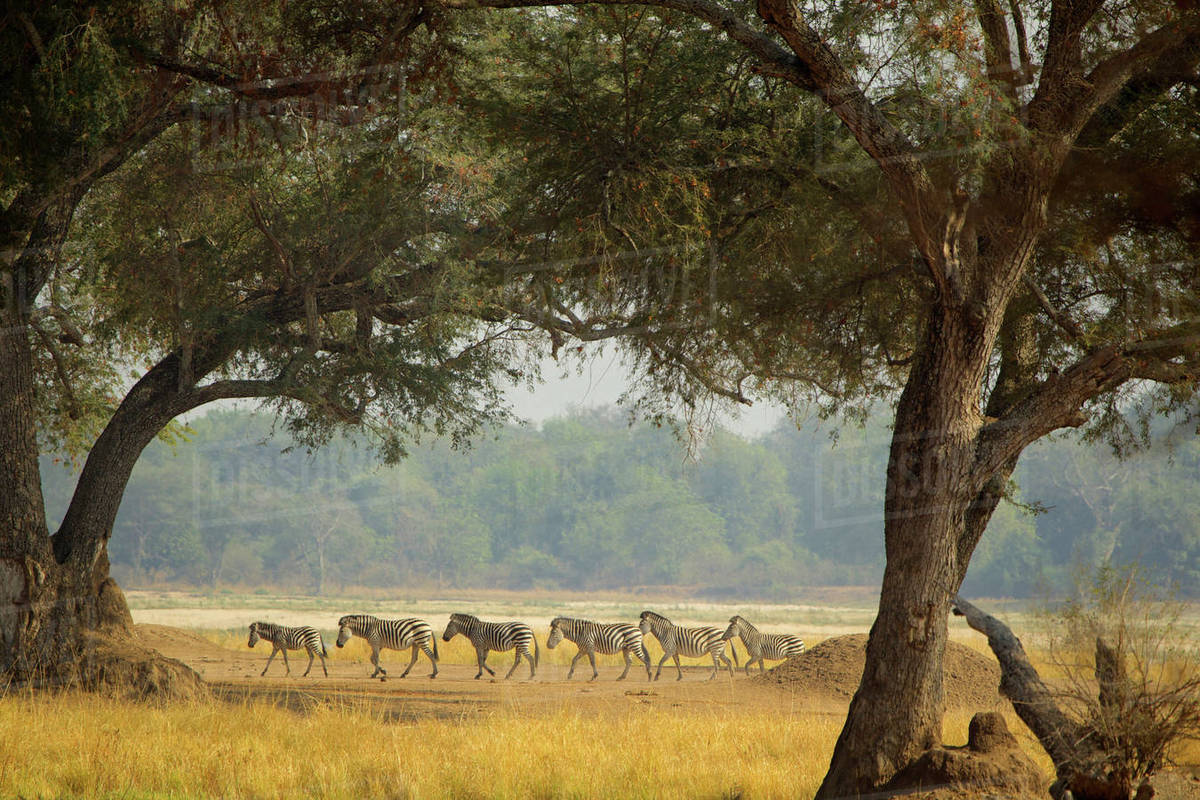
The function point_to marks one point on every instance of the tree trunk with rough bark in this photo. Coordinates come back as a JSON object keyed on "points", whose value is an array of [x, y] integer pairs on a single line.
{"points": [[897, 711], [45, 606], [62, 617]]}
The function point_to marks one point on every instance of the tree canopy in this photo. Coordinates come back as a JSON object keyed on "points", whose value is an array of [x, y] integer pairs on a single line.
{"points": [[945, 206]]}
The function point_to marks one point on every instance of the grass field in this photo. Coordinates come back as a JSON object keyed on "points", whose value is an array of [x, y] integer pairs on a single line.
{"points": [[73, 745], [506, 739]]}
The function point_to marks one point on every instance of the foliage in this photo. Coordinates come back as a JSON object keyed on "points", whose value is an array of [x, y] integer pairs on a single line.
{"points": [[660, 180], [588, 502]]}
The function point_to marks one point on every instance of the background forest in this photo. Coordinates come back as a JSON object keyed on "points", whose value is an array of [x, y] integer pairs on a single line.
{"points": [[574, 503]]}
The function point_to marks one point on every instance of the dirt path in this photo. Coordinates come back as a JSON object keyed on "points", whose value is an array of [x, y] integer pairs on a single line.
{"points": [[455, 693]]}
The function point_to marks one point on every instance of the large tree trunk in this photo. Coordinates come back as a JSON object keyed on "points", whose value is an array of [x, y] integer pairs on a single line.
{"points": [[897, 711], [45, 607], [24, 548], [63, 620]]}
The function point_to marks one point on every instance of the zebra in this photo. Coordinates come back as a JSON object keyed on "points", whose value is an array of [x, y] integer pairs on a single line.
{"points": [[597, 637], [283, 639], [394, 634], [494, 636], [762, 645], [692, 642]]}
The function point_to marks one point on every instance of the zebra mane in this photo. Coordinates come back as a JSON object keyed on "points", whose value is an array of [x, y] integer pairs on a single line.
{"points": [[737, 619], [263, 627], [653, 616], [354, 619], [466, 617]]}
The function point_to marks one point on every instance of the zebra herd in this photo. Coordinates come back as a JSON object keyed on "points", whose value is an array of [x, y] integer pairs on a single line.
{"points": [[589, 637]]}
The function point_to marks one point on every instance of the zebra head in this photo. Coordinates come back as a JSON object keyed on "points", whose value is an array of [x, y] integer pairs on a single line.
{"points": [[458, 624], [650, 620], [556, 632], [254, 635], [346, 627]]}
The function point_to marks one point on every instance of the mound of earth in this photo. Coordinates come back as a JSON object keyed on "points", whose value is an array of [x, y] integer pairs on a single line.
{"points": [[123, 666], [834, 668], [179, 643], [991, 764]]}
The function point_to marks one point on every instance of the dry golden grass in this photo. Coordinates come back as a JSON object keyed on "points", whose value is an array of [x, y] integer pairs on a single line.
{"points": [[75, 745], [80, 745]]}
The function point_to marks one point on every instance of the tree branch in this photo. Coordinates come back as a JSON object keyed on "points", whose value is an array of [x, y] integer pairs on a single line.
{"points": [[923, 209], [1022, 685], [1057, 402], [1067, 99], [997, 46], [1061, 77], [1060, 319], [60, 369], [700, 375], [775, 60], [1022, 42]]}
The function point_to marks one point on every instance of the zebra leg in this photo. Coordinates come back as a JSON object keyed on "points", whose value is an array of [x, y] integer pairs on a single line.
{"points": [[285, 661], [628, 664], [662, 661], [323, 668], [415, 649], [592, 658], [645, 657], [375, 660], [310, 660], [728, 665], [432, 660], [574, 661], [532, 665], [274, 650], [677, 667], [517, 663], [762, 664], [481, 657]]}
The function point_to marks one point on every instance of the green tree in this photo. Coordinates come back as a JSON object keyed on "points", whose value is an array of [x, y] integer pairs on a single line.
{"points": [[187, 194], [974, 232]]}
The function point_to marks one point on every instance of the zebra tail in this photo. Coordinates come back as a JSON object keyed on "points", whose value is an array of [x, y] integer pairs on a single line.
{"points": [[435, 652], [324, 652], [536, 652]]}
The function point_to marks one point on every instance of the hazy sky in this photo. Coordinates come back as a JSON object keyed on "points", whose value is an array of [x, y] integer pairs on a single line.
{"points": [[602, 381]]}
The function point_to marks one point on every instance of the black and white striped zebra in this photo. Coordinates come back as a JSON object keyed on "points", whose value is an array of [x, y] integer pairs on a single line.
{"points": [[762, 645], [393, 634], [599, 637], [691, 642], [283, 639], [499, 636]]}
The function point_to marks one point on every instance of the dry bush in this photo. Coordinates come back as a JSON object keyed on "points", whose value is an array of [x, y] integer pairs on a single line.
{"points": [[1126, 667]]}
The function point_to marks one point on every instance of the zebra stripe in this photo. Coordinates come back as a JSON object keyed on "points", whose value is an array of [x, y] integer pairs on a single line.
{"points": [[283, 639], [393, 634], [499, 636], [691, 642], [762, 645], [597, 637]]}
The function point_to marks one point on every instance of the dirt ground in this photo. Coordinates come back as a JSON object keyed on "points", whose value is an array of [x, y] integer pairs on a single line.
{"points": [[455, 693], [820, 682]]}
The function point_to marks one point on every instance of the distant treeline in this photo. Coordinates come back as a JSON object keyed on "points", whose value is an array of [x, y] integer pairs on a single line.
{"points": [[589, 502]]}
